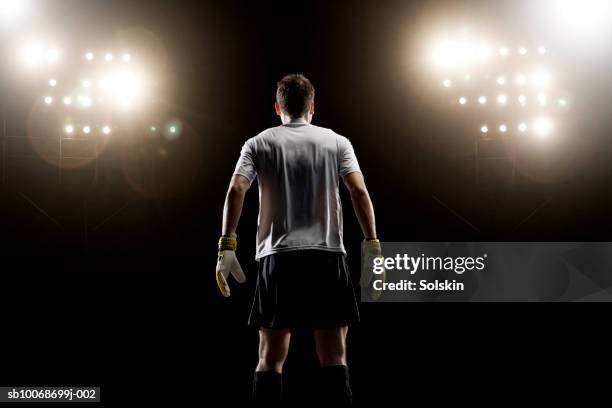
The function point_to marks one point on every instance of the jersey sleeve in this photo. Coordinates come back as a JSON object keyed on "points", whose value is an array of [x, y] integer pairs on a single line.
{"points": [[246, 163], [347, 160]]}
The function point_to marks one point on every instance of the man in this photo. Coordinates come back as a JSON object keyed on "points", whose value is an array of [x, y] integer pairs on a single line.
{"points": [[303, 280]]}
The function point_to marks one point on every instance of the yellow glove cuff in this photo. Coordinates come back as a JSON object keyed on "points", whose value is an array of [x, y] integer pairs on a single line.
{"points": [[228, 244]]}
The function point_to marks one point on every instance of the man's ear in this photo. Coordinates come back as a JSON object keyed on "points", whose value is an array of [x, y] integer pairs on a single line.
{"points": [[312, 108], [277, 108]]}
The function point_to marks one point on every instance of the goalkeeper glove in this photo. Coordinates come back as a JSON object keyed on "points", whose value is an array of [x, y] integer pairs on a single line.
{"points": [[370, 250], [228, 263]]}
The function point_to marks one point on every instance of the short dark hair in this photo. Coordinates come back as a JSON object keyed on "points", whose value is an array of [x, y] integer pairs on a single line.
{"points": [[295, 93]]}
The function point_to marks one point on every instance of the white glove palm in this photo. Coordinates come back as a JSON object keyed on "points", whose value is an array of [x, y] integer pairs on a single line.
{"points": [[227, 264]]}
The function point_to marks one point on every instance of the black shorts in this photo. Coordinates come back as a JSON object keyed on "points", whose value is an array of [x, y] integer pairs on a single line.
{"points": [[304, 289]]}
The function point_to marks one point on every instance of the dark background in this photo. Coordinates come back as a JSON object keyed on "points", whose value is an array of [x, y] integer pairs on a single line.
{"points": [[109, 281]]}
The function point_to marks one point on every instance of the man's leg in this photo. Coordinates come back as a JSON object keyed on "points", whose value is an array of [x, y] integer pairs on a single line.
{"points": [[331, 349], [273, 349]]}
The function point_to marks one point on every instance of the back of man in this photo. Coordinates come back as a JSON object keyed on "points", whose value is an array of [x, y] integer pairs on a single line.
{"points": [[298, 168]]}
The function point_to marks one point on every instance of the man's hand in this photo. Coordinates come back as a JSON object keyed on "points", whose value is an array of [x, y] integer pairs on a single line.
{"points": [[228, 263], [370, 250]]}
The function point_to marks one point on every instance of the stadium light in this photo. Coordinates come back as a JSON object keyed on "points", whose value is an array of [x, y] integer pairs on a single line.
{"points": [[53, 55], [543, 127], [106, 130], [503, 128], [583, 17], [542, 99], [86, 130], [541, 78], [53, 82], [48, 100], [484, 129], [482, 100], [124, 87], [462, 100], [447, 83], [85, 101], [34, 55], [69, 129], [11, 10], [502, 99], [459, 54]]}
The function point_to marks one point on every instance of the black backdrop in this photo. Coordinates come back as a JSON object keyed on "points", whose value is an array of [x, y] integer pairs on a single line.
{"points": [[132, 302]]}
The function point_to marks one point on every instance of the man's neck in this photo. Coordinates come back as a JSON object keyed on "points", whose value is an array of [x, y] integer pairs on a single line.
{"points": [[288, 120]]}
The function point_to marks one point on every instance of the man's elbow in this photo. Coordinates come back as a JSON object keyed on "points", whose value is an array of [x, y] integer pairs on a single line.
{"points": [[239, 185], [359, 192]]}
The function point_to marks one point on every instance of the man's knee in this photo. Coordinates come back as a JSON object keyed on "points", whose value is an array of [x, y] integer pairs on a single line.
{"points": [[273, 350], [332, 356], [331, 347]]}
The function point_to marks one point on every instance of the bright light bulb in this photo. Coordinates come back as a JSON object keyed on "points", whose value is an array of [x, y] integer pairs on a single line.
{"points": [[86, 83], [85, 101], [522, 99], [542, 51], [482, 100], [462, 101], [106, 130], [108, 57], [503, 128], [542, 99], [504, 51], [127, 57], [53, 55], [32, 55], [53, 82], [484, 129], [502, 99], [48, 100], [89, 56], [521, 80], [447, 83], [541, 78], [12, 9], [543, 127], [87, 130], [522, 51], [522, 127], [69, 129], [501, 81], [67, 100]]}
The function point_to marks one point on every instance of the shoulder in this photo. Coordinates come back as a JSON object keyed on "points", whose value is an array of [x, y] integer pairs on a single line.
{"points": [[262, 137], [340, 140]]}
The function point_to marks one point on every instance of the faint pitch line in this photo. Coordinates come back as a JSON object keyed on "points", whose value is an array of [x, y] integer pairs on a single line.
{"points": [[33, 204], [456, 214], [533, 213], [113, 215]]}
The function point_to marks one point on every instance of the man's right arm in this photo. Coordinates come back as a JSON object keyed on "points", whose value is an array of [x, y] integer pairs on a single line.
{"points": [[362, 204]]}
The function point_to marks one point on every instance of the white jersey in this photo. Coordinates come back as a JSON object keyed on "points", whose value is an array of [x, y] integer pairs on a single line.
{"points": [[298, 167]]}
